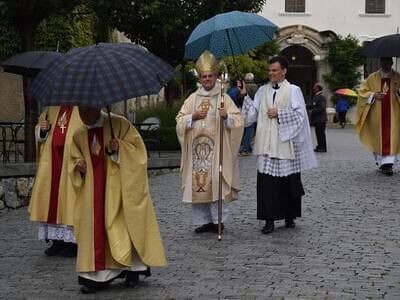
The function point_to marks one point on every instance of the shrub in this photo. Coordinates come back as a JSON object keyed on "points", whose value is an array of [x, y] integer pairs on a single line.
{"points": [[166, 134], [345, 59]]}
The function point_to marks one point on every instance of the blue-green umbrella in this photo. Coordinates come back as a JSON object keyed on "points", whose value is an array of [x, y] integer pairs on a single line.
{"points": [[229, 34]]}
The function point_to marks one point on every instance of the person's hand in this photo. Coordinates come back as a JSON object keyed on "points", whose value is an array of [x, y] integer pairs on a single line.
{"points": [[379, 95], [44, 126], [113, 145], [242, 89], [272, 113], [81, 166], [198, 115], [223, 113]]}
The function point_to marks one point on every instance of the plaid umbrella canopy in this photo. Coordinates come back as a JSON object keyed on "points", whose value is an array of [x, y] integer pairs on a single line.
{"points": [[100, 75]]}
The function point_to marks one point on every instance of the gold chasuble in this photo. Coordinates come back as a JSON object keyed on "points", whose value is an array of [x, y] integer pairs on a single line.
{"points": [[129, 217], [53, 195], [378, 124], [200, 148]]}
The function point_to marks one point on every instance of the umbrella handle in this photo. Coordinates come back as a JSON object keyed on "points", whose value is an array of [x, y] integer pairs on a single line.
{"points": [[46, 118], [108, 151]]}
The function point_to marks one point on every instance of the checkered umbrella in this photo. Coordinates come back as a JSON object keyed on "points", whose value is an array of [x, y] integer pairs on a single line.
{"points": [[99, 75]]}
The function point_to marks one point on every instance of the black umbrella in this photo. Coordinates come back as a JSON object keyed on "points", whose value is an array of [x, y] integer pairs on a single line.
{"points": [[29, 63], [385, 46]]}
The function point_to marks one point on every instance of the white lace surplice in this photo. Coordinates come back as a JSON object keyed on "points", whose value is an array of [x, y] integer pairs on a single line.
{"points": [[56, 232], [294, 125]]}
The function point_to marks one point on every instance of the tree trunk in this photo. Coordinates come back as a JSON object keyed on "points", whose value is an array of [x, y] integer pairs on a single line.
{"points": [[31, 107], [31, 117], [170, 93]]}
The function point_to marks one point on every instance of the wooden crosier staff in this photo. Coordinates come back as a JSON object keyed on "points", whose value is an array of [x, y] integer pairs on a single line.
{"points": [[221, 159]]}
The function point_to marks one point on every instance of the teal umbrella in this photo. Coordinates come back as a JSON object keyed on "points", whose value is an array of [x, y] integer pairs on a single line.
{"points": [[229, 34]]}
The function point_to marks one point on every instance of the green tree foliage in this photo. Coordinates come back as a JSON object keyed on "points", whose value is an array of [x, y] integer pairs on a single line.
{"points": [[163, 26], [10, 41], [255, 61], [25, 16], [64, 32], [345, 59]]}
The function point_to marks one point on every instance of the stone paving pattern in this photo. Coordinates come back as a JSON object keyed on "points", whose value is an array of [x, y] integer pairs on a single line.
{"points": [[346, 245]]}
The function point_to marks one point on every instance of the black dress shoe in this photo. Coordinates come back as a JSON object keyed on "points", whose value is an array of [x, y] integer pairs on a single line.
{"points": [[87, 290], [90, 286], [387, 169], [268, 228], [132, 278], [319, 150], [71, 250], [289, 223], [205, 228], [56, 247]]}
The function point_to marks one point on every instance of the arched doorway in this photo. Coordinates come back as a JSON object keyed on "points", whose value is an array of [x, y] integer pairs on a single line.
{"points": [[302, 69]]}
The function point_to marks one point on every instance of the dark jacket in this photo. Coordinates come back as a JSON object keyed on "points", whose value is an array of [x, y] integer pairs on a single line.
{"points": [[318, 109], [251, 91]]}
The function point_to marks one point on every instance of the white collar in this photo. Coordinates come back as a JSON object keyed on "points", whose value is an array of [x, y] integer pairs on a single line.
{"points": [[99, 122], [386, 75], [214, 91]]}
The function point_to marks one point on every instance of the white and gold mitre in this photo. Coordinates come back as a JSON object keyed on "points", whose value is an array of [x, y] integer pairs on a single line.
{"points": [[207, 62]]}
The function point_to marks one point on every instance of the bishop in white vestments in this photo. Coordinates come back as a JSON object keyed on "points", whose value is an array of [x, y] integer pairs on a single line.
{"points": [[198, 130]]}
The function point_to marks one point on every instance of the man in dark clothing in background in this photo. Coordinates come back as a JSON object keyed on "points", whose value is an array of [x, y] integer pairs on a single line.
{"points": [[318, 117]]}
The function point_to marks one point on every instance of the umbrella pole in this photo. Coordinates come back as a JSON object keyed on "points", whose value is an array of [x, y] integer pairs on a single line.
{"points": [[230, 45], [221, 154], [108, 151]]}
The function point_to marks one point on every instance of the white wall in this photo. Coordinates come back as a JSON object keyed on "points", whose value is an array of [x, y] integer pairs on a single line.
{"points": [[341, 16]]}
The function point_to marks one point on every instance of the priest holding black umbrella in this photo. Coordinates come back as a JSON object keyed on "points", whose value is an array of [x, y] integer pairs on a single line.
{"points": [[115, 226], [378, 115]]}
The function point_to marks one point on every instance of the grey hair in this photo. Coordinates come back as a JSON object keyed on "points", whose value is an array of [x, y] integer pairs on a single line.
{"points": [[249, 77]]}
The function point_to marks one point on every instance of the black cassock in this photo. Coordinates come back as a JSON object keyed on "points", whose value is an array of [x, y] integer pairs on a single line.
{"points": [[279, 197]]}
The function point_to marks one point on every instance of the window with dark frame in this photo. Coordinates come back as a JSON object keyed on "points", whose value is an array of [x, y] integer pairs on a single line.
{"points": [[375, 6], [298, 6]]}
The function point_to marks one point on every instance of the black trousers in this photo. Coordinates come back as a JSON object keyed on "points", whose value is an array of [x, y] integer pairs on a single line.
{"points": [[320, 133], [342, 116], [279, 197]]}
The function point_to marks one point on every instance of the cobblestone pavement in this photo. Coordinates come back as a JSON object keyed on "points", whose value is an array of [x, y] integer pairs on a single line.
{"points": [[346, 245]]}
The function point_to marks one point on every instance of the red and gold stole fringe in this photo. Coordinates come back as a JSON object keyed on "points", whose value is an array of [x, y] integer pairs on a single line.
{"points": [[385, 117], [98, 162], [57, 154]]}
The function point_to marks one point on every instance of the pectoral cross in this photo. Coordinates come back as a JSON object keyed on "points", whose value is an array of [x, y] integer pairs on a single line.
{"points": [[62, 122], [385, 88]]}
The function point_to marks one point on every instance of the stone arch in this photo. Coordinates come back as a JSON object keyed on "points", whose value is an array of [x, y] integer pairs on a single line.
{"points": [[309, 42]]}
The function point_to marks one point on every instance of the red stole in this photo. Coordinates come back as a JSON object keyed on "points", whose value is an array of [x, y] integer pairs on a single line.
{"points": [[57, 154], [98, 161], [385, 116]]}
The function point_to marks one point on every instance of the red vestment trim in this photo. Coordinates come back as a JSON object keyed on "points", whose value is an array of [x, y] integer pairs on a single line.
{"points": [[57, 154], [98, 162], [385, 117]]}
